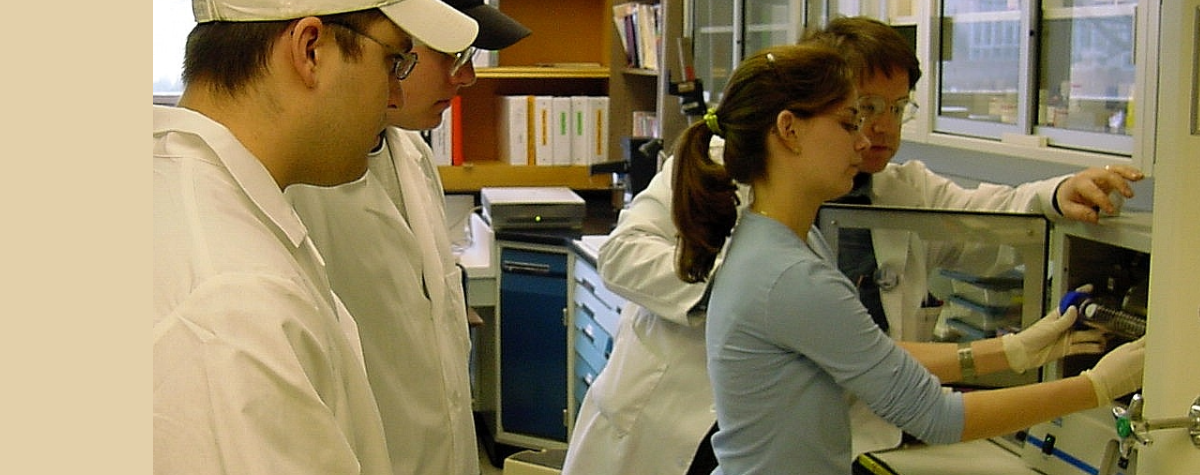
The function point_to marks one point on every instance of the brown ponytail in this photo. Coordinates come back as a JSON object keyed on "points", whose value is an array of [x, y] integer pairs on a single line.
{"points": [[705, 204]]}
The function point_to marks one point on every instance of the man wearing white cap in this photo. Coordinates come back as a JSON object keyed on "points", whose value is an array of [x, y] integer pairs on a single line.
{"points": [[257, 365], [386, 248]]}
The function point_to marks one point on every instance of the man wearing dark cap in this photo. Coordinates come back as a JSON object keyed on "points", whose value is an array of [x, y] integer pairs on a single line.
{"points": [[258, 366], [385, 244]]}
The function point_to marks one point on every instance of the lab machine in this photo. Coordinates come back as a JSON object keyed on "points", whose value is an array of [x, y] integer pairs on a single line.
{"points": [[991, 273]]}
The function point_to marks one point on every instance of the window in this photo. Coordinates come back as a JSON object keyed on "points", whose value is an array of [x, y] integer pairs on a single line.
{"points": [[1071, 82], [173, 21]]}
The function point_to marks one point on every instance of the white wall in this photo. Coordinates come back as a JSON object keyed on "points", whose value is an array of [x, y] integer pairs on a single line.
{"points": [[1172, 378]]}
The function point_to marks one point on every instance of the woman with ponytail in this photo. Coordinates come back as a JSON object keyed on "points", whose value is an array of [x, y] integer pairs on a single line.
{"points": [[787, 339]]}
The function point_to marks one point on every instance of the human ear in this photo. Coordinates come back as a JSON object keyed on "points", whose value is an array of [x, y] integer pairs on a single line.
{"points": [[301, 42], [788, 127]]}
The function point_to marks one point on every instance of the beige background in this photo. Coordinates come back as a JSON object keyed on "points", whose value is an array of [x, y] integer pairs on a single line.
{"points": [[76, 214]]}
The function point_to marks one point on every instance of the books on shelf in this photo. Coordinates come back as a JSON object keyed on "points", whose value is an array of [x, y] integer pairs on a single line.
{"points": [[639, 27], [645, 124], [560, 108], [512, 129], [550, 130], [593, 128], [543, 130], [446, 139]]}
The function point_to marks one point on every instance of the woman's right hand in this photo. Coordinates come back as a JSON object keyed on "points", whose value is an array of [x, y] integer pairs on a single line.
{"points": [[1119, 372]]}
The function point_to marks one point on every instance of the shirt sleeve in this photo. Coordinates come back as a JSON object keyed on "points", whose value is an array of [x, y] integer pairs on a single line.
{"points": [[251, 375], [821, 318], [637, 261], [943, 193]]}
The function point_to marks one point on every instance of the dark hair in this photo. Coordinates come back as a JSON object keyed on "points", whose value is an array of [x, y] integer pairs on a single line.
{"points": [[806, 79], [871, 46], [226, 56]]}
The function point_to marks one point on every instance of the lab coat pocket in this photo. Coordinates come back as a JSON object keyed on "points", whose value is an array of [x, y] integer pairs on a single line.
{"points": [[628, 382], [456, 304]]}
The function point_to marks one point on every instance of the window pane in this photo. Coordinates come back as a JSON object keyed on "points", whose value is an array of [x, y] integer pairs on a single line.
{"points": [[1087, 65], [173, 21], [770, 23], [980, 59], [713, 45]]}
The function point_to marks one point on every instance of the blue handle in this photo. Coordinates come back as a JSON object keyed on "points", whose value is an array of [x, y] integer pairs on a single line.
{"points": [[1073, 297]]}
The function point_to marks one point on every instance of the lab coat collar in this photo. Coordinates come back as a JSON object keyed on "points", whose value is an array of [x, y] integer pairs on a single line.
{"points": [[249, 173]]}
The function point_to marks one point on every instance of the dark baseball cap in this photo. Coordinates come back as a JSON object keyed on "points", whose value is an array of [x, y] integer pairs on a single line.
{"points": [[496, 30]]}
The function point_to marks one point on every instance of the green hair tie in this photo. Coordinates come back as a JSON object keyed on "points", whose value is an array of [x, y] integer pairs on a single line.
{"points": [[710, 119]]}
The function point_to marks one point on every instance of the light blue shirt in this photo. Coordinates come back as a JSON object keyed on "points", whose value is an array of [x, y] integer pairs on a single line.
{"points": [[788, 341]]}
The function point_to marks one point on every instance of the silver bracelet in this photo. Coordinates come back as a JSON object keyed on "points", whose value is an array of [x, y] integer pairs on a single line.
{"points": [[966, 361]]}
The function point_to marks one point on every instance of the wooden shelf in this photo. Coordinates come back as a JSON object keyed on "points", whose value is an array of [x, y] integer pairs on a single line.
{"points": [[567, 55], [541, 72], [472, 176], [640, 71]]}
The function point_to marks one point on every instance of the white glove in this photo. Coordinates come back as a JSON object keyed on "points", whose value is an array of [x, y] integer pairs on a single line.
{"points": [[1119, 372], [1049, 339]]}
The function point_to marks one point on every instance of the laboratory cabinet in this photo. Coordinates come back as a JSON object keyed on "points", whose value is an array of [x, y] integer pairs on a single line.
{"points": [[555, 324], [985, 271], [594, 314], [994, 273], [531, 344], [1114, 258]]}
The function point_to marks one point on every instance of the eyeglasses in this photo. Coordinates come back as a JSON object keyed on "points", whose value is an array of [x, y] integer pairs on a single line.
{"points": [[871, 107], [851, 122], [402, 63], [462, 58]]}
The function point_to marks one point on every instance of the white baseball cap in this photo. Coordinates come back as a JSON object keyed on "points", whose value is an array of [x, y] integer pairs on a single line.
{"points": [[429, 21]]}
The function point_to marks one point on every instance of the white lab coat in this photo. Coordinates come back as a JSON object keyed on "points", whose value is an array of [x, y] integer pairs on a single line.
{"points": [[652, 405], [257, 367], [397, 275]]}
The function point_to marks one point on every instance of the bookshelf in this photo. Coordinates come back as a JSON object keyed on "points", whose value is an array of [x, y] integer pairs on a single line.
{"points": [[570, 52], [474, 175]]}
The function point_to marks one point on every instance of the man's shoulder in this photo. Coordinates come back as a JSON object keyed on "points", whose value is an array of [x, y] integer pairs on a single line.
{"points": [[229, 236], [901, 179], [906, 168]]}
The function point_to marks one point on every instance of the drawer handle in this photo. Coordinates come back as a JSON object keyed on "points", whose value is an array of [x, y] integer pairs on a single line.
{"points": [[588, 285], [589, 332], [526, 268], [588, 378]]}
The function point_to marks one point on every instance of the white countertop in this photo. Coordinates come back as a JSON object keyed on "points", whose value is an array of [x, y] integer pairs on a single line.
{"points": [[477, 259], [978, 457], [591, 244]]}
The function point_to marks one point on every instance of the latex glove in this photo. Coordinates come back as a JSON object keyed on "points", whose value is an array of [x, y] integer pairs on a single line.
{"points": [[1119, 372], [1049, 339]]}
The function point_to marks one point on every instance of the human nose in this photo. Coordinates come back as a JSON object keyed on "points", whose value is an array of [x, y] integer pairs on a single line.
{"points": [[863, 142], [883, 122], [395, 94]]}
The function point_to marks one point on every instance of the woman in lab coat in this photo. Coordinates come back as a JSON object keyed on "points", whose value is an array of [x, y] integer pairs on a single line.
{"points": [[651, 408]]}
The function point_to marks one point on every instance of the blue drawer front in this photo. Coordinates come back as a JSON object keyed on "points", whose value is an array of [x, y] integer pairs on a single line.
{"points": [[594, 356], [585, 375], [590, 337], [533, 343]]}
